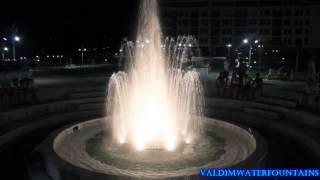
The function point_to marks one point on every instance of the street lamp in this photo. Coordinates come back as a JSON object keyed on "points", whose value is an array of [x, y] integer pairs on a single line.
{"points": [[15, 39], [260, 49], [246, 41], [4, 50], [82, 54], [229, 47]]}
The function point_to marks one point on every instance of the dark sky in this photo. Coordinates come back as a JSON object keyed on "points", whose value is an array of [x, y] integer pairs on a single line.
{"points": [[63, 25]]}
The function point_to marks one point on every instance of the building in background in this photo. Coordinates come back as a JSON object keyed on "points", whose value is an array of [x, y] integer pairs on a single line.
{"points": [[286, 25]]}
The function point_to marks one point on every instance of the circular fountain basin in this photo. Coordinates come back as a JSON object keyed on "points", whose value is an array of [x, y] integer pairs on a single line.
{"points": [[85, 149]]}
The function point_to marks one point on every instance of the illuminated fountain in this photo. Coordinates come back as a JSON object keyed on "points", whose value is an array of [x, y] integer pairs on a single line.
{"points": [[153, 103], [155, 125]]}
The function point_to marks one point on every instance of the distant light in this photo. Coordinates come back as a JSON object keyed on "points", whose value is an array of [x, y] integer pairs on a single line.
{"points": [[53, 56], [121, 50], [105, 60], [245, 41], [47, 56], [38, 60], [256, 41], [84, 49], [6, 49], [21, 58], [190, 45], [61, 56], [58, 56], [116, 54], [24, 57], [277, 50], [229, 45], [147, 41], [283, 58], [37, 57], [5, 39], [79, 49], [254, 62], [17, 38], [180, 44]]}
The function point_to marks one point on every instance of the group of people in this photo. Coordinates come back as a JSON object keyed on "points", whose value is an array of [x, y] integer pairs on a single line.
{"points": [[240, 85], [17, 92]]}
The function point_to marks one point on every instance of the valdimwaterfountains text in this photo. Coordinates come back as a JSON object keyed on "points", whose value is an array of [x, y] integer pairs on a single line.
{"points": [[153, 104]]}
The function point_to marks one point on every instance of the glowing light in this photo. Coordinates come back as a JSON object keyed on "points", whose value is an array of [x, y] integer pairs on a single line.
{"points": [[245, 41], [256, 41], [5, 48], [17, 38], [229, 45]]}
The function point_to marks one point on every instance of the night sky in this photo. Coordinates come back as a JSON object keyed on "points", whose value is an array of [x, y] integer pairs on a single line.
{"points": [[57, 26]]}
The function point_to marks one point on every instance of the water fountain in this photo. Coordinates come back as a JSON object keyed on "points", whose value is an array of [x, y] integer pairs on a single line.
{"points": [[155, 125]]}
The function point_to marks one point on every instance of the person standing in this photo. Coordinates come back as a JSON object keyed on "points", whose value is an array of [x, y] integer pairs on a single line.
{"points": [[220, 85], [245, 87], [234, 85], [257, 86]]}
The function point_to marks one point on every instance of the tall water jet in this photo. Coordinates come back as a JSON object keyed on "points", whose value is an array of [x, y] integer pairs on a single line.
{"points": [[153, 103]]}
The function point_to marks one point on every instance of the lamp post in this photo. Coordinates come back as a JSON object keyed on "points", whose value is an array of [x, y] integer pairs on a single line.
{"points": [[4, 50], [246, 41], [260, 49], [15, 39], [229, 48], [82, 54]]}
